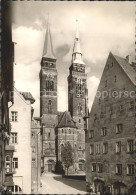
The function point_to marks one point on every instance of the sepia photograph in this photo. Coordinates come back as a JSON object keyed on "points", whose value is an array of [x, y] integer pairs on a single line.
{"points": [[68, 97]]}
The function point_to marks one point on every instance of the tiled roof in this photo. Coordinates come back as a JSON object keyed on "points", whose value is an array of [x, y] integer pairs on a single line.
{"points": [[65, 120], [128, 68], [28, 96]]}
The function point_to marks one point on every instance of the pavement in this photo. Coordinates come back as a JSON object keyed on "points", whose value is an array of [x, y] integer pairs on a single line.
{"points": [[55, 184]]}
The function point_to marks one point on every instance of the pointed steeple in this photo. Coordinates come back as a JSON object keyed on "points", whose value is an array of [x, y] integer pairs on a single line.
{"points": [[48, 49], [77, 54]]}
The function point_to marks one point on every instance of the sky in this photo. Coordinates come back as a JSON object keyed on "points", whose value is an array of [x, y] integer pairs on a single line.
{"points": [[103, 27]]}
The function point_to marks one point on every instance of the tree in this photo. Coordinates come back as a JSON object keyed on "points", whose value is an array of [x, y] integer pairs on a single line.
{"points": [[67, 156]]}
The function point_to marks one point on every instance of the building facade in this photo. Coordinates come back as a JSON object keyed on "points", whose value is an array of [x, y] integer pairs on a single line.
{"points": [[77, 102], [36, 144], [6, 100], [110, 139], [48, 102], [20, 117]]}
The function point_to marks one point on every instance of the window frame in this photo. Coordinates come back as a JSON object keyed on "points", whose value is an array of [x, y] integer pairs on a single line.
{"points": [[14, 116], [105, 148], [118, 147], [14, 138], [15, 163], [119, 128], [132, 168], [91, 134], [91, 149], [94, 167], [100, 167], [118, 169], [130, 148]]}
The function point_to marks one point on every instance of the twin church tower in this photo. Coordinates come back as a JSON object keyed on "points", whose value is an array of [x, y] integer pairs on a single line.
{"points": [[68, 126]]}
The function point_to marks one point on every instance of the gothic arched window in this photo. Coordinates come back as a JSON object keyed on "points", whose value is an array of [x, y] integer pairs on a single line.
{"points": [[49, 85], [79, 109], [50, 106]]}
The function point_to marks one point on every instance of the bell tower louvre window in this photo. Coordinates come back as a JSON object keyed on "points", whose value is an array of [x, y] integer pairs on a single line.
{"points": [[50, 106]]}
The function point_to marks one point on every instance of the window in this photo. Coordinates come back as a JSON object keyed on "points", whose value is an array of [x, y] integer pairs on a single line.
{"points": [[91, 149], [112, 64], [100, 168], [97, 148], [105, 83], [130, 169], [115, 78], [119, 169], [105, 148], [49, 135], [103, 131], [79, 120], [62, 131], [91, 134], [118, 147], [93, 167], [14, 116], [15, 163], [33, 149], [33, 163], [131, 105], [33, 135], [8, 164], [119, 128], [79, 109], [69, 131], [49, 85], [50, 106], [14, 137], [130, 146]]}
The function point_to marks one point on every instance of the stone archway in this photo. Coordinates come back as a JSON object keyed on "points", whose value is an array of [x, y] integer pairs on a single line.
{"points": [[51, 165], [119, 188], [81, 164], [99, 186]]}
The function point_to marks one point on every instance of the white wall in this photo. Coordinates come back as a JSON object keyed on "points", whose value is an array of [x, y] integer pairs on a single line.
{"points": [[23, 147]]}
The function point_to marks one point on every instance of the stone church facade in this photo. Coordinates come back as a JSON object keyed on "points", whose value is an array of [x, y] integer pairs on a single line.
{"points": [[68, 126]]}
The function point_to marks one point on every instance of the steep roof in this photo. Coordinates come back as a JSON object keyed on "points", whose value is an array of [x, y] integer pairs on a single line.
{"points": [[128, 68], [65, 120], [77, 54], [28, 96], [48, 49]]}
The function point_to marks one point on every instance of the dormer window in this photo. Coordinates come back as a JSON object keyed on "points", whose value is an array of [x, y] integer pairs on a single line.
{"points": [[106, 83], [112, 64], [115, 78]]}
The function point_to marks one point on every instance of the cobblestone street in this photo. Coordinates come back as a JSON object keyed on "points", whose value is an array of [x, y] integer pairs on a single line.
{"points": [[55, 184]]}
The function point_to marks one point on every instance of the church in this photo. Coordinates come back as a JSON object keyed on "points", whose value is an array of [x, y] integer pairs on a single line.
{"points": [[68, 126]]}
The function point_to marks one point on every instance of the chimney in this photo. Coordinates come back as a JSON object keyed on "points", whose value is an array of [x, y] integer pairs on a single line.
{"points": [[129, 59]]}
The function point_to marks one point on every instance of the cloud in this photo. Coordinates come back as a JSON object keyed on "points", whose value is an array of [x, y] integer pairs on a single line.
{"points": [[103, 27], [29, 44], [62, 50]]}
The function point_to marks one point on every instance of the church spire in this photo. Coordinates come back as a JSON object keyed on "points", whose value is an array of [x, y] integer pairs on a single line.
{"points": [[77, 54], [48, 49]]}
